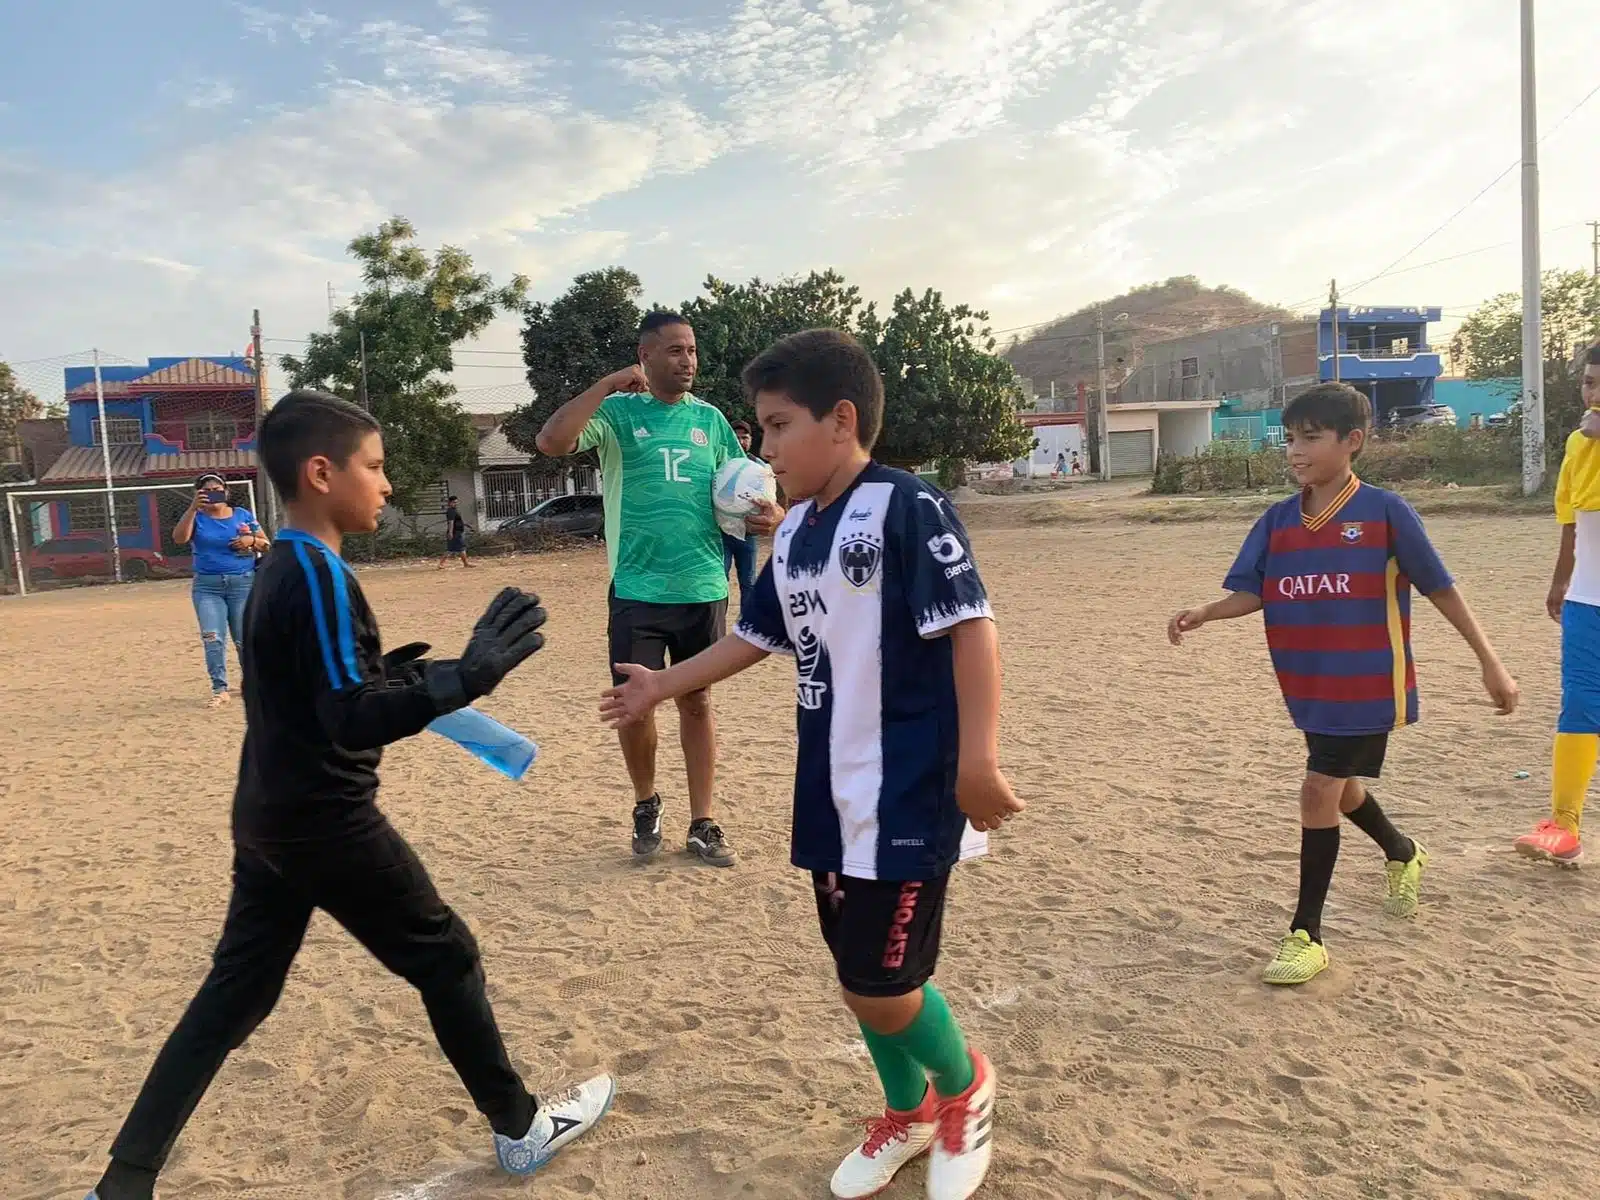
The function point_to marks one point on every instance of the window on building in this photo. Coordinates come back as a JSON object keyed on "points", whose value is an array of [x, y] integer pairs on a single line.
{"points": [[87, 514], [1190, 368], [211, 431], [124, 431]]}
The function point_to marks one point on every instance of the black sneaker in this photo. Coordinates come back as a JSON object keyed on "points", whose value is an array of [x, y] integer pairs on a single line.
{"points": [[706, 840], [647, 827]]}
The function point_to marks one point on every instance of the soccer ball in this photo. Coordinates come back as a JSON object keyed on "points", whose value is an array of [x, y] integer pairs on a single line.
{"points": [[739, 484]]}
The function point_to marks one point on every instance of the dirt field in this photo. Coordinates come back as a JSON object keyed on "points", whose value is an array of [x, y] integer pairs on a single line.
{"points": [[1106, 955]]}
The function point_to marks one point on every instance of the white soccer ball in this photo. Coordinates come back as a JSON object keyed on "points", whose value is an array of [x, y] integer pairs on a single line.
{"points": [[740, 484]]}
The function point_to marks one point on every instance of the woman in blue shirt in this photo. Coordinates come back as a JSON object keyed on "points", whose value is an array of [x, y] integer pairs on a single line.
{"points": [[226, 542]]}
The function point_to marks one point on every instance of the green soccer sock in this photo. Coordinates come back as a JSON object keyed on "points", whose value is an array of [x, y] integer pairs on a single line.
{"points": [[904, 1081], [934, 1040]]}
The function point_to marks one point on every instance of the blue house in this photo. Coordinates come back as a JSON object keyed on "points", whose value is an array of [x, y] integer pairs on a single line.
{"points": [[1382, 351], [165, 422]]}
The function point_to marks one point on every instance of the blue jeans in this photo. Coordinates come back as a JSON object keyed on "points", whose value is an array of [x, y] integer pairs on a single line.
{"points": [[219, 603], [742, 554]]}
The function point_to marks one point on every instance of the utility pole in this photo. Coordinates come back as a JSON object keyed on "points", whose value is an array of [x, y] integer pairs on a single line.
{"points": [[1104, 431], [366, 400], [1594, 227], [1333, 305], [1532, 317], [267, 498], [105, 461], [330, 302]]}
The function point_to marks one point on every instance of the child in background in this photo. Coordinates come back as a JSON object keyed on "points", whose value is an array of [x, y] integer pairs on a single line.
{"points": [[1332, 569], [872, 587], [1574, 603]]}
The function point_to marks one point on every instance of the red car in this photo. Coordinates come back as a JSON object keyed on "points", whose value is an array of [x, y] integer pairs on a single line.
{"points": [[85, 557]]}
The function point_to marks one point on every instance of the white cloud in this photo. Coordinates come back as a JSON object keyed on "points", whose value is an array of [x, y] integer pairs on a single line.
{"points": [[1023, 155], [306, 25]]}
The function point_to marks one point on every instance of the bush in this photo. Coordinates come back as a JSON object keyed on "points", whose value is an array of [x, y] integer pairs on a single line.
{"points": [[1434, 453], [1223, 466], [1443, 454]]}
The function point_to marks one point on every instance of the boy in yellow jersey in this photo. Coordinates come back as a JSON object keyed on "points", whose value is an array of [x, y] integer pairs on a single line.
{"points": [[1574, 602]]}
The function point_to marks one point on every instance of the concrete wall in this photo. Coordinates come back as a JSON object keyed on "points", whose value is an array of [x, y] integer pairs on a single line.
{"points": [[1481, 397], [1251, 363], [1053, 440], [1124, 420], [1183, 432]]}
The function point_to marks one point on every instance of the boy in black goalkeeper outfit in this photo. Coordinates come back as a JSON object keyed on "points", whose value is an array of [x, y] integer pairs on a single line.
{"points": [[322, 700]]}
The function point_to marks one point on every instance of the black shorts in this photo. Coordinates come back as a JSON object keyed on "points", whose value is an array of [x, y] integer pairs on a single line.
{"points": [[654, 634], [883, 933], [456, 545], [1359, 757]]}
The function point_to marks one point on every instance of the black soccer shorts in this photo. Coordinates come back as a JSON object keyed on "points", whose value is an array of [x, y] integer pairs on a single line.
{"points": [[654, 634], [883, 933]]}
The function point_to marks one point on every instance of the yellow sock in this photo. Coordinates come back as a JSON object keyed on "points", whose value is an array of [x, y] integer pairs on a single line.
{"points": [[1575, 757]]}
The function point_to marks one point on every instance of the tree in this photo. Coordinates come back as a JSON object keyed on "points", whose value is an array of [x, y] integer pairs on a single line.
{"points": [[947, 395], [415, 308], [589, 331], [1489, 346], [734, 323], [17, 404]]}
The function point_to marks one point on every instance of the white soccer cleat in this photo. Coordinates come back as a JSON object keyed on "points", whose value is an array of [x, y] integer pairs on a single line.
{"points": [[892, 1141], [962, 1145], [560, 1121]]}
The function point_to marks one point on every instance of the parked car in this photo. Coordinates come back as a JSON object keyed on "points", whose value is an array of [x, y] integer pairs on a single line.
{"points": [[1500, 420], [86, 557], [1414, 416], [580, 516]]}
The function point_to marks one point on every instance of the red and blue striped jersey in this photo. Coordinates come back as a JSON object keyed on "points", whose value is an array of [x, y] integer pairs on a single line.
{"points": [[1335, 589]]}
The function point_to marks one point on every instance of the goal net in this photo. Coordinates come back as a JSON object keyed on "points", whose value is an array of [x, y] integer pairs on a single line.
{"points": [[87, 535]]}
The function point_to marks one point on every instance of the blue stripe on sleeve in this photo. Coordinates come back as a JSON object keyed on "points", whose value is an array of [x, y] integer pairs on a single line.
{"points": [[319, 616], [341, 606]]}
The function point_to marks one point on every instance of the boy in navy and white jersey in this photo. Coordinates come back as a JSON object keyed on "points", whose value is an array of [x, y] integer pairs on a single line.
{"points": [[872, 588]]}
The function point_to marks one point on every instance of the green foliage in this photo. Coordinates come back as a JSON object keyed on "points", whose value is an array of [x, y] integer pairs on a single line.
{"points": [[1489, 342], [947, 395], [589, 331], [17, 404], [413, 312], [1489, 346], [735, 322], [1437, 454]]}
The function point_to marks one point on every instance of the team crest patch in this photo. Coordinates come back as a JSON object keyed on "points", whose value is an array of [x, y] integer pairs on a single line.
{"points": [[859, 556], [698, 437], [1350, 532]]}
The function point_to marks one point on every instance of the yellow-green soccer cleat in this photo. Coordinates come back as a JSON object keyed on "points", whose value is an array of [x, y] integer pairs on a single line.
{"points": [[1405, 883], [1299, 960]]}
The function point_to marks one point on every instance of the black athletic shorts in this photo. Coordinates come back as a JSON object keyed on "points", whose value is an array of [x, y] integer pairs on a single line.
{"points": [[1359, 757], [883, 933], [654, 634]]}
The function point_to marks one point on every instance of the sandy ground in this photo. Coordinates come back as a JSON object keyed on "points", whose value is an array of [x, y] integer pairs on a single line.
{"points": [[1106, 955]]}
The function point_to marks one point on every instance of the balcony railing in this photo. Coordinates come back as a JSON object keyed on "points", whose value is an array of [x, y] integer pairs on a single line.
{"points": [[1387, 352], [204, 433]]}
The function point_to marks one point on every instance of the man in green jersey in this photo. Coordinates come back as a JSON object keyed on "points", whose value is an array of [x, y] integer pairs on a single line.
{"points": [[659, 450]]}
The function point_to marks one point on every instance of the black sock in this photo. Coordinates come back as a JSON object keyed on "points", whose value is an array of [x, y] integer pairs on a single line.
{"points": [[1319, 850], [1370, 819], [124, 1181]]}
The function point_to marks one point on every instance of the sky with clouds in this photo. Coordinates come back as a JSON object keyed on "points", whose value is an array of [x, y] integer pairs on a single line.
{"points": [[160, 176]]}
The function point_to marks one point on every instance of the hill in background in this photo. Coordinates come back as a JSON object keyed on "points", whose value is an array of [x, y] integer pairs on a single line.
{"points": [[1064, 350]]}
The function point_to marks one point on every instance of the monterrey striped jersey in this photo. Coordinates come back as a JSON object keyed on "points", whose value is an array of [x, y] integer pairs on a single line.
{"points": [[1336, 596], [861, 593]]}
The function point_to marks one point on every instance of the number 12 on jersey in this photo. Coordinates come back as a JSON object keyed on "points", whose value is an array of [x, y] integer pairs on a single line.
{"points": [[672, 463]]}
